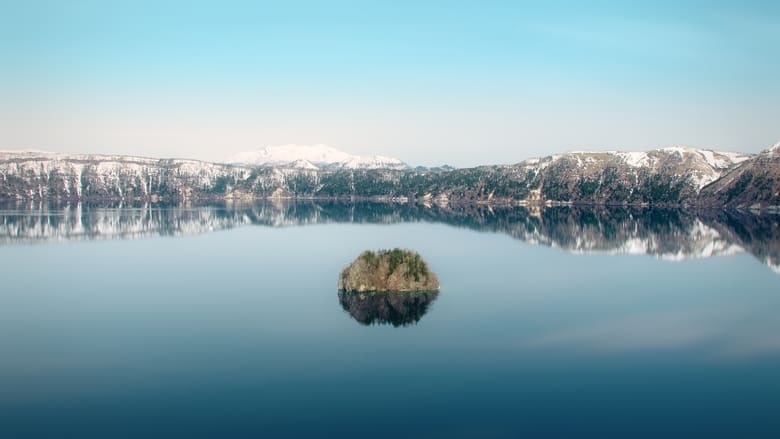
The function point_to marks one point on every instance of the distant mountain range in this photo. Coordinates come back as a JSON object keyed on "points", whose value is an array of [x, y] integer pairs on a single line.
{"points": [[677, 176], [314, 157]]}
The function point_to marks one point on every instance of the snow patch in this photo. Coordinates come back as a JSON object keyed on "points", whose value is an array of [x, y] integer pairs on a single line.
{"points": [[634, 159], [303, 164], [722, 160]]}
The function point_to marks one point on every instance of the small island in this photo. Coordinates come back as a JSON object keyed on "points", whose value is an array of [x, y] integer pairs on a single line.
{"points": [[394, 270]]}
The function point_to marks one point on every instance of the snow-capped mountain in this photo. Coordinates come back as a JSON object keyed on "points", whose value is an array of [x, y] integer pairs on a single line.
{"points": [[314, 157], [699, 167], [676, 176]]}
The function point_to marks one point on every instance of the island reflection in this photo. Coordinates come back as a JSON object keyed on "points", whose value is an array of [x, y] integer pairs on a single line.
{"points": [[672, 234], [387, 308]]}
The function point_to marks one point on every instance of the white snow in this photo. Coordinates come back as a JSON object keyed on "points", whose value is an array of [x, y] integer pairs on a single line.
{"points": [[721, 160], [700, 180], [303, 164]]}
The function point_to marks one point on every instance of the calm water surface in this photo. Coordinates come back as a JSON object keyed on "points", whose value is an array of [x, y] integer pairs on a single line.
{"points": [[559, 323]]}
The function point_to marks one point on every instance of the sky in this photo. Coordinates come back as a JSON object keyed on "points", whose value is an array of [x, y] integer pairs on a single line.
{"points": [[429, 82]]}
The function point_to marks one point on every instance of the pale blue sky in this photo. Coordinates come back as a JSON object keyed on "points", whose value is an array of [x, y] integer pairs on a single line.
{"points": [[429, 82]]}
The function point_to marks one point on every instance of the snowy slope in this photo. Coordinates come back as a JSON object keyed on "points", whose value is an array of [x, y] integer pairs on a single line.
{"points": [[699, 166], [35, 174]]}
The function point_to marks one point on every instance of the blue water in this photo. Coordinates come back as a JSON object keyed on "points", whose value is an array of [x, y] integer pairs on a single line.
{"points": [[240, 333]]}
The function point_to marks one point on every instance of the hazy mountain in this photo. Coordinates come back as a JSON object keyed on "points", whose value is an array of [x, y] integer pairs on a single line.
{"points": [[313, 157]]}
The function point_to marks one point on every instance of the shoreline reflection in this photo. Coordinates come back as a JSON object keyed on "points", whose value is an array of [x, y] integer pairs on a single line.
{"points": [[671, 234], [387, 308]]}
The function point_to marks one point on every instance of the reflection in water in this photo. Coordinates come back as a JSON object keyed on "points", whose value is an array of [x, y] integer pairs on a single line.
{"points": [[397, 309], [665, 233]]}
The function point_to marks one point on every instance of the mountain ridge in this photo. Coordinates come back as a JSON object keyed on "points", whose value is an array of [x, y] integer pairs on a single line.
{"points": [[669, 176]]}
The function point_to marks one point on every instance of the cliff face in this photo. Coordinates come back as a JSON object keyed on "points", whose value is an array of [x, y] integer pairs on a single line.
{"points": [[754, 183], [46, 176], [390, 270], [673, 176]]}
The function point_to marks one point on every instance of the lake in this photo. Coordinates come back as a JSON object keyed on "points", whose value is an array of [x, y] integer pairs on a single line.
{"points": [[122, 320]]}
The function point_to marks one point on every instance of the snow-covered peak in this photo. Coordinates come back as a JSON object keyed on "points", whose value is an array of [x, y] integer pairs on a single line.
{"points": [[318, 156], [284, 154], [378, 161]]}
